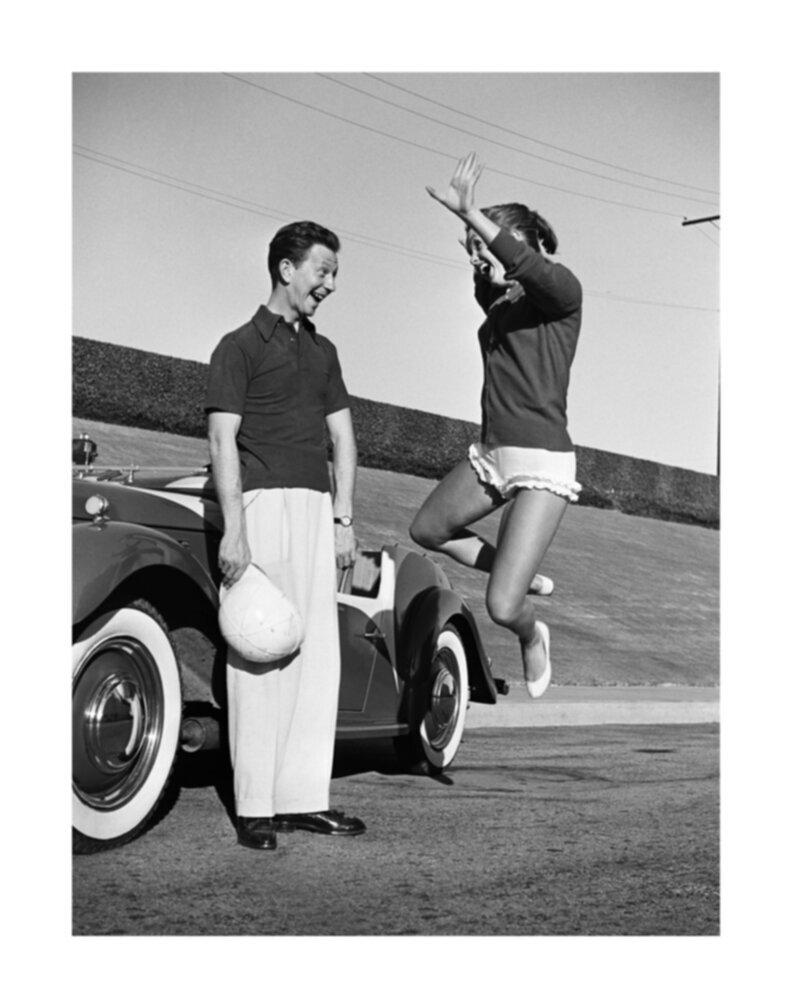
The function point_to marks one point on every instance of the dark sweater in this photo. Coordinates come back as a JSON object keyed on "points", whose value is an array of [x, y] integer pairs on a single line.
{"points": [[527, 344]]}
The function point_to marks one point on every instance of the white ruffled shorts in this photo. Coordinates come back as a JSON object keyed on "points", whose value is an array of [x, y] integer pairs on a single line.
{"points": [[510, 469]]}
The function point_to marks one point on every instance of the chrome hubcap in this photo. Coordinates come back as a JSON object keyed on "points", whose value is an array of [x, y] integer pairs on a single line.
{"points": [[117, 722], [441, 717]]}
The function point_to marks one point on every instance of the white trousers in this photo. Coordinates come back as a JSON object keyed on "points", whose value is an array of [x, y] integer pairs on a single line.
{"points": [[282, 716]]}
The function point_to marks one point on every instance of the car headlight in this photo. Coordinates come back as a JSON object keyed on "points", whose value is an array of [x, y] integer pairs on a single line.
{"points": [[97, 506]]}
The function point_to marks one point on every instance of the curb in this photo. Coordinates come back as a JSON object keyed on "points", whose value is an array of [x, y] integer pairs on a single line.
{"points": [[587, 705]]}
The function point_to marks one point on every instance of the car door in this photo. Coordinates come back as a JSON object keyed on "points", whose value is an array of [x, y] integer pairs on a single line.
{"points": [[362, 648], [365, 619]]}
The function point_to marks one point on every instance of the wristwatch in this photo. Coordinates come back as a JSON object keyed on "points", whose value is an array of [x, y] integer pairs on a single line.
{"points": [[344, 520]]}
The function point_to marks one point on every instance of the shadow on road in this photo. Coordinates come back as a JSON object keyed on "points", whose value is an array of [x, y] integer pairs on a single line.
{"points": [[365, 756], [351, 758]]}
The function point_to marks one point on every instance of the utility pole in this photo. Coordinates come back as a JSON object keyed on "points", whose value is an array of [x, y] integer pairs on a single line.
{"points": [[687, 223], [700, 220]]}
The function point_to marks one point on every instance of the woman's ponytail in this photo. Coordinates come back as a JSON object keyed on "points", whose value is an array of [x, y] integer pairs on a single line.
{"points": [[546, 234]]}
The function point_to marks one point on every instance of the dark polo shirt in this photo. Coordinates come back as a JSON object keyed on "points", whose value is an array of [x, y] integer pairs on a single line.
{"points": [[283, 384], [528, 342]]}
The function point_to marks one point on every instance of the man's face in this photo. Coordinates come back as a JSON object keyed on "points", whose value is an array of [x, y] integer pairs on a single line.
{"points": [[313, 280]]}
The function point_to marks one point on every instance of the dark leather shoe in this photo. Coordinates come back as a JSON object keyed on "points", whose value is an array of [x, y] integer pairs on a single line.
{"points": [[331, 822], [258, 833]]}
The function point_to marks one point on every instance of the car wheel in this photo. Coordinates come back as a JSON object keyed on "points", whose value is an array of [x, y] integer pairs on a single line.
{"points": [[126, 719], [440, 705]]}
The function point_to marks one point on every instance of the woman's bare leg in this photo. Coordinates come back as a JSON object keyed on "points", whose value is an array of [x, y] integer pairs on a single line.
{"points": [[458, 500], [526, 530]]}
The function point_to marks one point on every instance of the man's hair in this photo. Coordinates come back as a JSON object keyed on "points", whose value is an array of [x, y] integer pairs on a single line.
{"points": [[294, 242]]}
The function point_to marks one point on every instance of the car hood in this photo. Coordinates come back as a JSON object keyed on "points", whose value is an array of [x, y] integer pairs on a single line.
{"points": [[155, 499]]}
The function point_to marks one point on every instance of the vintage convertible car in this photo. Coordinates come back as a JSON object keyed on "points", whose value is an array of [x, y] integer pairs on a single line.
{"points": [[148, 670]]}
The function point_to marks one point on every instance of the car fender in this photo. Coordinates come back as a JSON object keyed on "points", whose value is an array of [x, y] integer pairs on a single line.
{"points": [[105, 554], [427, 615]]}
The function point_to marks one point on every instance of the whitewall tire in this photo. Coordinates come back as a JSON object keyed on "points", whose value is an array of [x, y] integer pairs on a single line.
{"points": [[126, 720], [440, 705]]}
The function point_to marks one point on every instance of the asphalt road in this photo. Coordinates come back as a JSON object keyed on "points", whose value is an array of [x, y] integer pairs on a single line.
{"points": [[596, 830]]}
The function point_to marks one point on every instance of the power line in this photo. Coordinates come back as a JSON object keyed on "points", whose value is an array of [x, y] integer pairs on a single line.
{"points": [[248, 206], [543, 143], [654, 304], [445, 154], [229, 199], [173, 185], [709, 237], [510, 147]]}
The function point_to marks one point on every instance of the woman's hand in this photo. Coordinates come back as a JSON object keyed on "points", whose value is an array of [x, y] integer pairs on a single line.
{"points": [[459, 197]]}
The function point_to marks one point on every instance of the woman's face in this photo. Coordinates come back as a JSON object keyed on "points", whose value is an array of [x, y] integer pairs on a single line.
{"points": [[484, 263]]}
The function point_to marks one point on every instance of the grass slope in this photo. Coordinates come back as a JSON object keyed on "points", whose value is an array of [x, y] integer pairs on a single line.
{"points": [[636, 599]]}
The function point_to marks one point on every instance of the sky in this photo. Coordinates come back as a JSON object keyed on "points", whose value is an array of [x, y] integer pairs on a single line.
{"points": [[180, 180]]}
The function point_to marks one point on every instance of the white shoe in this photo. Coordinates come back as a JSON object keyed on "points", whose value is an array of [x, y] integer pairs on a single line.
{"points": [[541, 585], [536, 687]]}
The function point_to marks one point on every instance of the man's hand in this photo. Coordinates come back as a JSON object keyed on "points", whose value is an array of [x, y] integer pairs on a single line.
{"points": [[345, 546], [459, 198], [233, 557]]}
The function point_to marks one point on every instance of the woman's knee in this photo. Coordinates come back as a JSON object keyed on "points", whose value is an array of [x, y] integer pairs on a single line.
{"points": [[506, 609], [424, 534]]}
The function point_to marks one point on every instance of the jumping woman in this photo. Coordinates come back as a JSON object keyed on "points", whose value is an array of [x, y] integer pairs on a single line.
{"points": [[525, 461]]}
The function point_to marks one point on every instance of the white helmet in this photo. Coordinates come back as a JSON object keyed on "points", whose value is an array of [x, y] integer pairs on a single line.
{"points": [[258, 620]]}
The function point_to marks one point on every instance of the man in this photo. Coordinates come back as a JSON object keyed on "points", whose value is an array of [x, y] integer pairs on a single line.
{"points": [[274, 384]]}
